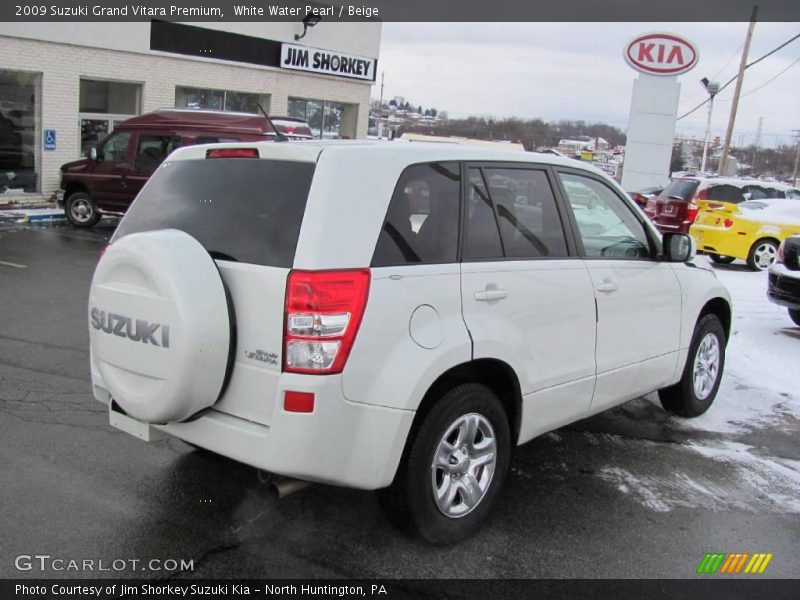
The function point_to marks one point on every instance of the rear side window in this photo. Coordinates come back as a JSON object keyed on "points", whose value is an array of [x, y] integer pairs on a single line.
{"points": [[239, 209], [725, 193], [526, 211], [681, 189], [483, 235], [151, 150], [421, 224]]}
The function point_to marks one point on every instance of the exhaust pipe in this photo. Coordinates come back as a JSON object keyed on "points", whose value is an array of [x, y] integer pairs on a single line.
{"points": [[283, 486]]}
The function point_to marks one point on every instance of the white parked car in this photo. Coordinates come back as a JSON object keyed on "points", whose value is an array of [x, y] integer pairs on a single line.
{"points": [[394, 317]]}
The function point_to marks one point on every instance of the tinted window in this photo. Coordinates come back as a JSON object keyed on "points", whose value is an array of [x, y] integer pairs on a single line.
{"points": [[421, 223], [609, 229], [526, 211], [247, 210], [483, 236], [725, 193], [682, 189], [116, 147], [151, 150]]}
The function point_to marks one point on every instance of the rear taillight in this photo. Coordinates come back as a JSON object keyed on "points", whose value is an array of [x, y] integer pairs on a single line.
{"points": [[323, 313], [232, 153], [691, 212]]}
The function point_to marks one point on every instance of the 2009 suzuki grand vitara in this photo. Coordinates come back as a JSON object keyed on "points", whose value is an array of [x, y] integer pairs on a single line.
{"points": [[393, 316]]}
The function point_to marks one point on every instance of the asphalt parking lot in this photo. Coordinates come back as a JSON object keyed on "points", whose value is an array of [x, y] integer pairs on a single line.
{"points": [[631, 493]]}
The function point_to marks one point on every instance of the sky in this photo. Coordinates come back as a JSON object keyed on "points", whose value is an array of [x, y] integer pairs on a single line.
{"points": [[576, 71]]}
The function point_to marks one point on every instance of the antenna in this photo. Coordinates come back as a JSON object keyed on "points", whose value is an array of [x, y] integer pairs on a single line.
{"points": [[279, 137]]}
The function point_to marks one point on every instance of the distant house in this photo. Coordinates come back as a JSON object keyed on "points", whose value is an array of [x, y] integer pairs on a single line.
{"points": [[582, 144]]}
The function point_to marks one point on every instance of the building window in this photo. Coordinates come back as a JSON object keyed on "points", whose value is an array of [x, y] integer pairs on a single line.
{"points": [[328, 120], [20, 132], [186, 97], [103, 105]]}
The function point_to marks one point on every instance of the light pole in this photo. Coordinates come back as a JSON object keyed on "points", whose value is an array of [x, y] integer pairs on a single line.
{"points": [[712, 87]]}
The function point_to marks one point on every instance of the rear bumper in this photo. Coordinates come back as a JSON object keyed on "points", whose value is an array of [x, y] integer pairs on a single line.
{"points": [[784, 287], [340, 443], [716, 240]]}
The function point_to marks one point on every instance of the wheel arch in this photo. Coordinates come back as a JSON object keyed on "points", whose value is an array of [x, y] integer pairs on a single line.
{"points": [[73, 187], [495, 374], [722, 309], [765, 237]]}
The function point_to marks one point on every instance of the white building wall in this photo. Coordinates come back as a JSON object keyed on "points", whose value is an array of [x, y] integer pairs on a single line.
{"points": [[63, 65]]}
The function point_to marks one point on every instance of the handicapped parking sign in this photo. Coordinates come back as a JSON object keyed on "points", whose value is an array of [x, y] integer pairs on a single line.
{"points": [[49, 139]]}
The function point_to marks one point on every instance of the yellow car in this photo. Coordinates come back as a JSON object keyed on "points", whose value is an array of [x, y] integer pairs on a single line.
{"points": [[751, 231]]}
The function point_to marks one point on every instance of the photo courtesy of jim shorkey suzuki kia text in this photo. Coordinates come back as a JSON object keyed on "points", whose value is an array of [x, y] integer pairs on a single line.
{"points": [[224, 590], [235, 10]]}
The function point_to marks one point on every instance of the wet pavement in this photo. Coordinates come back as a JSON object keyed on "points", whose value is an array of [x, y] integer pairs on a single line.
{"points": [[631, 493]]}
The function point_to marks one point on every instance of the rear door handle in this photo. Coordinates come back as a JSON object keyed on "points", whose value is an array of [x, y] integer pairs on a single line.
{"points": [[488, 295], [607, 286]]}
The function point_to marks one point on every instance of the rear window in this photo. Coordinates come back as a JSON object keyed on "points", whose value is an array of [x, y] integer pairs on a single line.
{"points": [[247, 210], [682, 189]]}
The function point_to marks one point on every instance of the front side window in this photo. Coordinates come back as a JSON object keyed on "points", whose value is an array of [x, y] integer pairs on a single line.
{"points": [[421, 224], [115, 148], [607, 227]]}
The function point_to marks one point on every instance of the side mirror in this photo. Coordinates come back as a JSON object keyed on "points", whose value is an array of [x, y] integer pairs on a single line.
{"points": [[93, 153], [679, 247]]}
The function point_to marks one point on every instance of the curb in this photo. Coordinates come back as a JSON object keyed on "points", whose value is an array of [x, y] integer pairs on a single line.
{"points": [[32, 215]]}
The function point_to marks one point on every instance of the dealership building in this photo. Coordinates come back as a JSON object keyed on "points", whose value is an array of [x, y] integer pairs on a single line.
{"points": [[63, 86]]}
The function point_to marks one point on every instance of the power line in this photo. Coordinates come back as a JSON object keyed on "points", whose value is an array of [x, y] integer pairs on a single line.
{"points": [[732, 79], [734, 55], [753, 91]]}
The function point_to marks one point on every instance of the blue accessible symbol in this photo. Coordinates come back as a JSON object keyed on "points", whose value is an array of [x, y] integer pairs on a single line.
{"points": [[49, 139]]}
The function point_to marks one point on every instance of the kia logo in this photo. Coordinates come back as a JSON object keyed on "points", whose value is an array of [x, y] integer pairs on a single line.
{"points": [[661, 54]]}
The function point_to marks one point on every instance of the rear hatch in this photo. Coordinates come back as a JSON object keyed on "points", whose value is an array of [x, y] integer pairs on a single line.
{"points": [[246, 212], [672, 207]]}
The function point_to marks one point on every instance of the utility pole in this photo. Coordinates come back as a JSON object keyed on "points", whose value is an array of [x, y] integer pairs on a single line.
{"points": [[738, 91], [757, 144], [380, 107], [796, 157]]}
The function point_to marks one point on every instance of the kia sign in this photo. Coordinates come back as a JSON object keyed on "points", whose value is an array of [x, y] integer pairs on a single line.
{"points": [[661, 54]]}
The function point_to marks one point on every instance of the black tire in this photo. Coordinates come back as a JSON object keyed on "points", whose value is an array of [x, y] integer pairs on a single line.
{"points": [[722, 259], [762, 245], [794, 315], [80, 210], [409, 502], [682, 399]]}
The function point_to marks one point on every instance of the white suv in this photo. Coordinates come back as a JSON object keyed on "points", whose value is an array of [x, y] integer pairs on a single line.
{"points": [[393, 316]]}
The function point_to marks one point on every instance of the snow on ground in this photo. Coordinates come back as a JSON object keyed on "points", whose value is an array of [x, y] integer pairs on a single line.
{"points": [[761, 384], [760, 392]]}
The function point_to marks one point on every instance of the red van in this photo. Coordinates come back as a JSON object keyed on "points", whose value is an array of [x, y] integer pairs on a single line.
{"points": [[108, 179]]}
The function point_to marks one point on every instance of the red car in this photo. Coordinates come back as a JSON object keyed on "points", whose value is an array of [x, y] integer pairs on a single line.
{"points": [[107, 181], [292, 128], [677, 206]]}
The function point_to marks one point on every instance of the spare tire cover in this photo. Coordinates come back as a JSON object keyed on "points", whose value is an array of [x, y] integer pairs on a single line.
{"points": [[159, 325]]}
